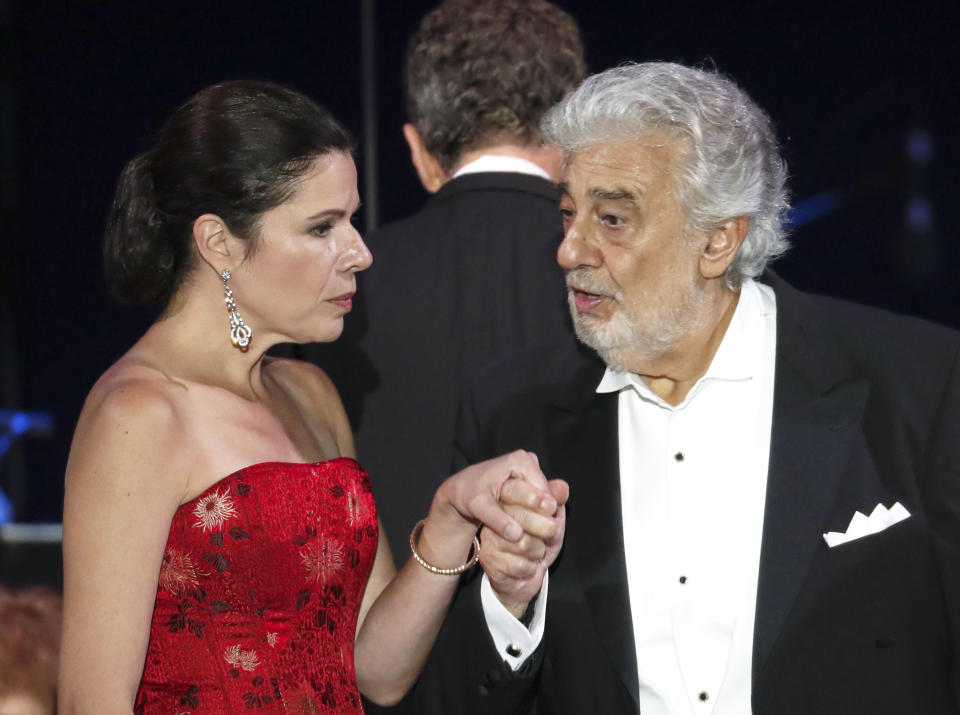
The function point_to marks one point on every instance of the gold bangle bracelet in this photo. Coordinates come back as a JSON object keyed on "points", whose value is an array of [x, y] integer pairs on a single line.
{"points": [[415, 536]]}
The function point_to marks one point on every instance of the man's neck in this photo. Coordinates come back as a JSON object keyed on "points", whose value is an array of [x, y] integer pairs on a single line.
{"points": [[672, 375], [547, 157]]}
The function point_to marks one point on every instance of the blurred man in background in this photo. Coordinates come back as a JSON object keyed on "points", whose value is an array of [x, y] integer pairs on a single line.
{"points": [[472, 275]]}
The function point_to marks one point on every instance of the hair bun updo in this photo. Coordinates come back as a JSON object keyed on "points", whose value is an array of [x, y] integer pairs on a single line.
{"points": [[139, 260]]}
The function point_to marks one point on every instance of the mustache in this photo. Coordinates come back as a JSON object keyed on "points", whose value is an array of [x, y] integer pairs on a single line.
{"points": [[586, 279]]}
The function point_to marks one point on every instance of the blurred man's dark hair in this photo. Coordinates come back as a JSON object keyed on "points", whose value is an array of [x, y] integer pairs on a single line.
{"points": [[480, 73]]}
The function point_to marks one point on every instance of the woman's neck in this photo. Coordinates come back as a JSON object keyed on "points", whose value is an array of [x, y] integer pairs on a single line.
{"points": [[191, 340]]}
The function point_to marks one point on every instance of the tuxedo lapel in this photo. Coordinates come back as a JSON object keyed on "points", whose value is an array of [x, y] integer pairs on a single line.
{"points": [[582, 437], [816, 417]]}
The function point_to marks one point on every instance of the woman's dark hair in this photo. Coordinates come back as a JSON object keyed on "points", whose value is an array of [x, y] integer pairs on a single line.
{"points": [[235, 149]]}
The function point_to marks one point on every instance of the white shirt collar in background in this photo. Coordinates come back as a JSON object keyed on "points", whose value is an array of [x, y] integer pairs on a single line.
{"points": [[501, 164]]}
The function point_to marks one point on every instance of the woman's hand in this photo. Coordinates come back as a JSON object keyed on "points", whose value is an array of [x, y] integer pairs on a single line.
{"points": [[473, 497], [516, 568], [397, 632]]}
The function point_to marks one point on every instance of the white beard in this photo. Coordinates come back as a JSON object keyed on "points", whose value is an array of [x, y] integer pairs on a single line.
{"points": [[641, 330]]}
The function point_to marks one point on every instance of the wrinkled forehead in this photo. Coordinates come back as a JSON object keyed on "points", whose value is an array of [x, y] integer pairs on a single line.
{"points": [[648, 159]]}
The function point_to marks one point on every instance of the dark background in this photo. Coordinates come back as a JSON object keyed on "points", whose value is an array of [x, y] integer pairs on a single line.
{"points": [[83, 83]]}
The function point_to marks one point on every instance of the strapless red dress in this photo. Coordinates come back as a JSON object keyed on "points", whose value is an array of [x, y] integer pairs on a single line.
{"points": [[259, 591]]}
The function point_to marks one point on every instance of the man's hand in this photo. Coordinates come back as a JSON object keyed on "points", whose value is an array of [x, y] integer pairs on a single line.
{"points": [[516, 568]]}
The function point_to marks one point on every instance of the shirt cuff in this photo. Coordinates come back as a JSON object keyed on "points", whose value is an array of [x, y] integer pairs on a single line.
{"points": [[513, 640]]}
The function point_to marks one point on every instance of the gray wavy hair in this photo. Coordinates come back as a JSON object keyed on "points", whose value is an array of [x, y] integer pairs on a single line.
{"points": [[732, 167]]}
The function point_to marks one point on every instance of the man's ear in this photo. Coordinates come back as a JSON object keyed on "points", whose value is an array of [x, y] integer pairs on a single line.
{"points": [[722, 247], [217, 247], [432, 176]]}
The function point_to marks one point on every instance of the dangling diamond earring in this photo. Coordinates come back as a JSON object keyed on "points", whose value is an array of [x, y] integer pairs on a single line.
{"points": [[240, 332]]}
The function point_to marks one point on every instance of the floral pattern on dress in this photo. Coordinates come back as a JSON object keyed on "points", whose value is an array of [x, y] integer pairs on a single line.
{"points": [[213, 510], [242, 659], [356, 506], [301, 699], [261, 580], [323, 560], [177, 573]]}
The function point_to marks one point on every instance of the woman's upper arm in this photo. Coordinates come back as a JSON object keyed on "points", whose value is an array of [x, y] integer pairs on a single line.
{"points": [[125, 478]]}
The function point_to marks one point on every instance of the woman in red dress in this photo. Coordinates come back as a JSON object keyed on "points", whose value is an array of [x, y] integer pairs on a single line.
{"points": [[221, 544]]}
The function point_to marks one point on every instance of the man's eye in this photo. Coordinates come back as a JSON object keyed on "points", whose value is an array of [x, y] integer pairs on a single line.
{"points": [[567, 214], [611, 220], [322, 229]]}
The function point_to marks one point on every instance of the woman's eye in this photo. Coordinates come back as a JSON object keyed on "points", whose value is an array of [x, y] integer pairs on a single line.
{"points": [[322, 229]]}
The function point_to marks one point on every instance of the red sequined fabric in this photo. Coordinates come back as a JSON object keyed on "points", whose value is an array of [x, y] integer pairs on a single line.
{"points": [[259, 591]]}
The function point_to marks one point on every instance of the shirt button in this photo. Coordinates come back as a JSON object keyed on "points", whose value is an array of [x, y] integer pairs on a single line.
{"points": [[514, 651], [704, 697], [683, 579], [678, 456]]}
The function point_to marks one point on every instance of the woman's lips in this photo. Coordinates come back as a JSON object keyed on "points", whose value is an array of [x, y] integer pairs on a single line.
{"points": [[586, 302], [344, 301]]}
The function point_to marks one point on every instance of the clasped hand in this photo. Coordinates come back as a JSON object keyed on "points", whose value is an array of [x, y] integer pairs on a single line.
{"points": [[516, 566], [522, 515]]}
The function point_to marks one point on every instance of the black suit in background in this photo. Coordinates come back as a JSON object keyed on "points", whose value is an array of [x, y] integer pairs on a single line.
{"points": [[866, 410], [470, 277]]}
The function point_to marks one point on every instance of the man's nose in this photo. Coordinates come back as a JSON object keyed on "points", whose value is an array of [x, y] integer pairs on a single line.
{"points": [[576, 251]]}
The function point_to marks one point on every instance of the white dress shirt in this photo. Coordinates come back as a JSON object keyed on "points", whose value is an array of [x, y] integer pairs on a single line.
{"points": [[693, 483]]}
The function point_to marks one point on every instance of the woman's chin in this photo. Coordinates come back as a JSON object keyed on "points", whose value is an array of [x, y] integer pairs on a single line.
{"points": [[330, 332], [327, 331]]}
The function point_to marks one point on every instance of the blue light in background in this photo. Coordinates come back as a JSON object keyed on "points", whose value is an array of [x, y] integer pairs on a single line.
{"points": [[6, 509], [919, 146], [919, 215], [810, 209], [13, 424]]}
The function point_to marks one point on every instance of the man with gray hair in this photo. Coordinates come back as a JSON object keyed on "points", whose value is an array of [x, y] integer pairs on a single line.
{"points": [[765, 485]]}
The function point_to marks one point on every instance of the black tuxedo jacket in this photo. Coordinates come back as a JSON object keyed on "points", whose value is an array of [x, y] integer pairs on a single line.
{"points": [[470, 277], [866, 411]]}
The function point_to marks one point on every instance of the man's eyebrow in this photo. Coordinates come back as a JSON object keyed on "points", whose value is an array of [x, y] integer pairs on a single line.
{"points": [[618, 194]]}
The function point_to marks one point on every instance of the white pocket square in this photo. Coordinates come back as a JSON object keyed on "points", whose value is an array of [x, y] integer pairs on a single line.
{"points": [[880, 518]]}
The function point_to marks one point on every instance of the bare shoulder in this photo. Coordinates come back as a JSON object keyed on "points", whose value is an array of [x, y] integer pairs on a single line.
{"points": [[132, 424], [130, 397]]}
